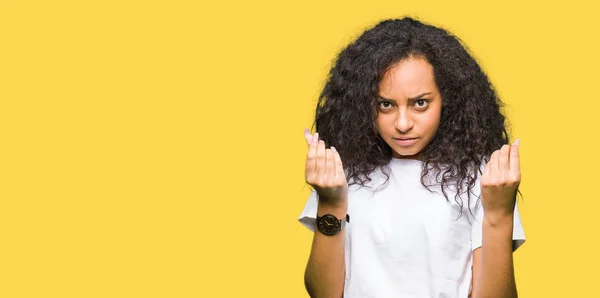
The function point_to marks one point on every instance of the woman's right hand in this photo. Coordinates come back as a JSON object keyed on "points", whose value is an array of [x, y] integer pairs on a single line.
{"points": [[325, 172]]}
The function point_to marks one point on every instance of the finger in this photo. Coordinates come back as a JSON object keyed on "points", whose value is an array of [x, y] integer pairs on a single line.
{"points": [[494, 162], [486, 169], [308, 136], [330, 165], [321, 166], [515, 164], [339, 168], [311, 159], [504, 159]]}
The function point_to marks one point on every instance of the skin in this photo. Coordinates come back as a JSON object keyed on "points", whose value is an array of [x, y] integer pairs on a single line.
{"points": [[325, 271], [409, 105], [493, 267], [403, 115]]}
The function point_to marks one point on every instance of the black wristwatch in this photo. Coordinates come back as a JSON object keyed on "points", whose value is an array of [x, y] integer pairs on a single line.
{"points": [[330, 225]]}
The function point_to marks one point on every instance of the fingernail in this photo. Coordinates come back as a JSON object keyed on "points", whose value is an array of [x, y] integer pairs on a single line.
{"points": [[333, 149], [315, 138], [306, 131], [516, 142]]}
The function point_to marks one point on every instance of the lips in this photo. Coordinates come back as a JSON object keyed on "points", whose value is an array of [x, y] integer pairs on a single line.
{"points": [[405, 142]]}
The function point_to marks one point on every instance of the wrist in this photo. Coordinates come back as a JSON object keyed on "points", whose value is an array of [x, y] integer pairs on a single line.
{"points": [[499, 220], [339, 210], [338, 201]]}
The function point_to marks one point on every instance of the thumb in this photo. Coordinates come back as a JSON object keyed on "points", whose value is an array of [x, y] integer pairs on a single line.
{"points": [[307, 136]]}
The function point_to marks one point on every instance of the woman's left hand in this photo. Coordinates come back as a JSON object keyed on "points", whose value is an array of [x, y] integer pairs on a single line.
{"points": [[500, 182]]}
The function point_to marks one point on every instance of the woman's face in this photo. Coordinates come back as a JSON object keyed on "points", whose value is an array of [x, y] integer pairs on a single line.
{"points": [[409, 105]]}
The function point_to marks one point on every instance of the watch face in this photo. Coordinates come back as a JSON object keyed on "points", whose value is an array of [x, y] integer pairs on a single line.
{"points": [[328, 224]]}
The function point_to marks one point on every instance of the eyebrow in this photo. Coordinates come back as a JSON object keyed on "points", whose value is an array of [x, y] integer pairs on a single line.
{"points": [[409, 99]]}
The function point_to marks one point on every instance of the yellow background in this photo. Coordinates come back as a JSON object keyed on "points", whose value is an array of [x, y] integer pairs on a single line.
{"points": [[155, 148]]}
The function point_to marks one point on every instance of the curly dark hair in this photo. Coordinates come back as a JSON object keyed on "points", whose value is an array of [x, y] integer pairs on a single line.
{"points": [[471, 126]]}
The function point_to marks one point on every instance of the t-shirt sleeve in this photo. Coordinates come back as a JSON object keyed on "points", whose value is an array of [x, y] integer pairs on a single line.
{"points": [[477, 228], [308, 217]]}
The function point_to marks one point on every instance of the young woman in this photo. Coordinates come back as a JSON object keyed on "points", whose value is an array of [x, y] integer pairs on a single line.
{"points": [[414, 181]]}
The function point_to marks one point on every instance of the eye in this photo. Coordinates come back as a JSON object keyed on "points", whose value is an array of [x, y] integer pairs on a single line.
{"points": [[421, 103], [385, 104]]}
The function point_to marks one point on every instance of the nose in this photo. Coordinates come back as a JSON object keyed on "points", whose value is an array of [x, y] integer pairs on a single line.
{"points": [[404, 121]]}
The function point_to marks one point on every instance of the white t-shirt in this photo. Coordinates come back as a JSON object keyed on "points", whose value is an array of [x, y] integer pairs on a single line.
{"points": [[404, 241]]}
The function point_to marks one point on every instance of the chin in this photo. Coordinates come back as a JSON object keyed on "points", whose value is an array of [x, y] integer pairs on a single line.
{"points": [[405, 154]]}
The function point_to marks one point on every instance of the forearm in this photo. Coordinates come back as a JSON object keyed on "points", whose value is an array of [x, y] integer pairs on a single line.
{"points": [[325, 271], [497, 278]]}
